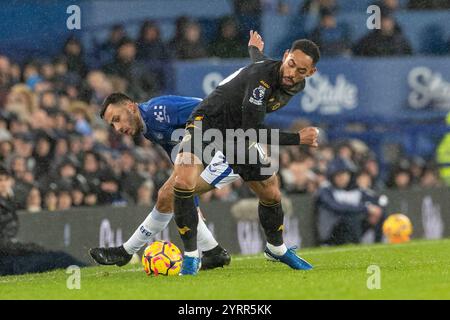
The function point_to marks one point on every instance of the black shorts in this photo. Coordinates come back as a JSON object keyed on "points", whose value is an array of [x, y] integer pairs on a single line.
{"points": [[250, 172], [193, 142]]}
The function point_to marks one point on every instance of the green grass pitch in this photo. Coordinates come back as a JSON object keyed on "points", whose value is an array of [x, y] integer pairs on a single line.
{"points": [[416, 270]]}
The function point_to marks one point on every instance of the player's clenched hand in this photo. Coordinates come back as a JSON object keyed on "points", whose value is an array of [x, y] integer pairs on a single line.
{"points": [[309, 136], [256, 40]]}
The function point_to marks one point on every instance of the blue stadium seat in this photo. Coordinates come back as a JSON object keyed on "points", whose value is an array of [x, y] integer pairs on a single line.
{"points": [[415, 24], [210, 28], [119, 11], [434, 40], [361, 5]]}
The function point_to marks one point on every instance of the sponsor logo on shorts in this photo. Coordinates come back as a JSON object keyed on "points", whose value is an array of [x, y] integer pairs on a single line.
{"points": [[212, 166]]}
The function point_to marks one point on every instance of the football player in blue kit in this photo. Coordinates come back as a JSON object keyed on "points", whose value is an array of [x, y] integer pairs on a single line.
{"points": [[158, 121]]}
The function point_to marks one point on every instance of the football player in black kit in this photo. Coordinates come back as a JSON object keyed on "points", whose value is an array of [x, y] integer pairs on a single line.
{"points": [[241, 101]]}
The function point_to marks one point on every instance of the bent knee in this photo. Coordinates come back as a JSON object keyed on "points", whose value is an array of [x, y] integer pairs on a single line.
{"points": [[271, 196], [184, 183], [165, 195], [164, 202]]}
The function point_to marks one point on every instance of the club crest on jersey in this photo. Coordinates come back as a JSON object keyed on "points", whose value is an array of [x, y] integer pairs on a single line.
{"points": [[258, 95]]}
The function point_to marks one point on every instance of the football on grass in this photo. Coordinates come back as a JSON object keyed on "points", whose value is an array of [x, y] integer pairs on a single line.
{"points": [[397, 228], [162, 258]]}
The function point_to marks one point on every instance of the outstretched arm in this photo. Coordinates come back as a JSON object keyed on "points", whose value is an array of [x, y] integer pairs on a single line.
{"points": [[256, 47]]}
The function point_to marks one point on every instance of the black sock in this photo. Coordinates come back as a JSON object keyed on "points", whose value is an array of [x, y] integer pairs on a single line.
{"points": [[186, 217], [271, 219]]}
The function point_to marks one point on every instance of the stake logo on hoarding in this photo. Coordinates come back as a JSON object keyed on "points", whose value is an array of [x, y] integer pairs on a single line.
{"points": [[322, 96], [428, 89]]}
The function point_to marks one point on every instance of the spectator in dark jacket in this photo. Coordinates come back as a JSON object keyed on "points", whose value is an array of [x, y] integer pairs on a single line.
{"points": [[387, 41], [130, 179], [249, 14], [331, 37], [150, 44], [314, 7], [108, 48], [190, 46], [9, 223], [341, 208], [428, 4], [141, 82], [228, 43], [153, 52], [110, 192], [73, 53], [372, 222], [388, 7], [124, 64], [180, 26], [43, 153]]}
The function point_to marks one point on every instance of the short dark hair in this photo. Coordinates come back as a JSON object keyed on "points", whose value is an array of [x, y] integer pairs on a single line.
{"points": [[126, 41], [307, 47], [4, 171], [114, 98]]}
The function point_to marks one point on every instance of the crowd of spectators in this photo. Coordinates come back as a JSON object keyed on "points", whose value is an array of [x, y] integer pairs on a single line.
{"points": [[334, 37], [59, 152], [61, 155], [388, 39], [189, 41]]}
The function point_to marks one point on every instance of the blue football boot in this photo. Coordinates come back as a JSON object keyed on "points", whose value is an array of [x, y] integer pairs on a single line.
{"points": [[290, 258], [191, 266]]}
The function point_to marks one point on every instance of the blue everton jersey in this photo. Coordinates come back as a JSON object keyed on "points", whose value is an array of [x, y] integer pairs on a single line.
{"points": [[163, 115]]}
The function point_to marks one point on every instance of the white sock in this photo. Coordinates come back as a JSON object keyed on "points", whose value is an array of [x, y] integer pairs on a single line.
{"points": [[154, 223], [277, 250], [193, 254], [205, 239]]}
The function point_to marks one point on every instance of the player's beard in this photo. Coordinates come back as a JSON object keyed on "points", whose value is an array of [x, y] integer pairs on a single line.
{"points": [[137, 125], [287, 86], [133, 124]]}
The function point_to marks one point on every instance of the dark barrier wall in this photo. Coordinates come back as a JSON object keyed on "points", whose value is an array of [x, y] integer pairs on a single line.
{"points": [[234, 224]]}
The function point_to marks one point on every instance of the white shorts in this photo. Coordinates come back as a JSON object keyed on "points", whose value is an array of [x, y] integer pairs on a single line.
{"points": [[219, 173]]}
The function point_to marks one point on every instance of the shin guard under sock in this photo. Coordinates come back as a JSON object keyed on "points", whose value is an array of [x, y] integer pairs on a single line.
{"points": [[186, 217], [271, 219]]}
